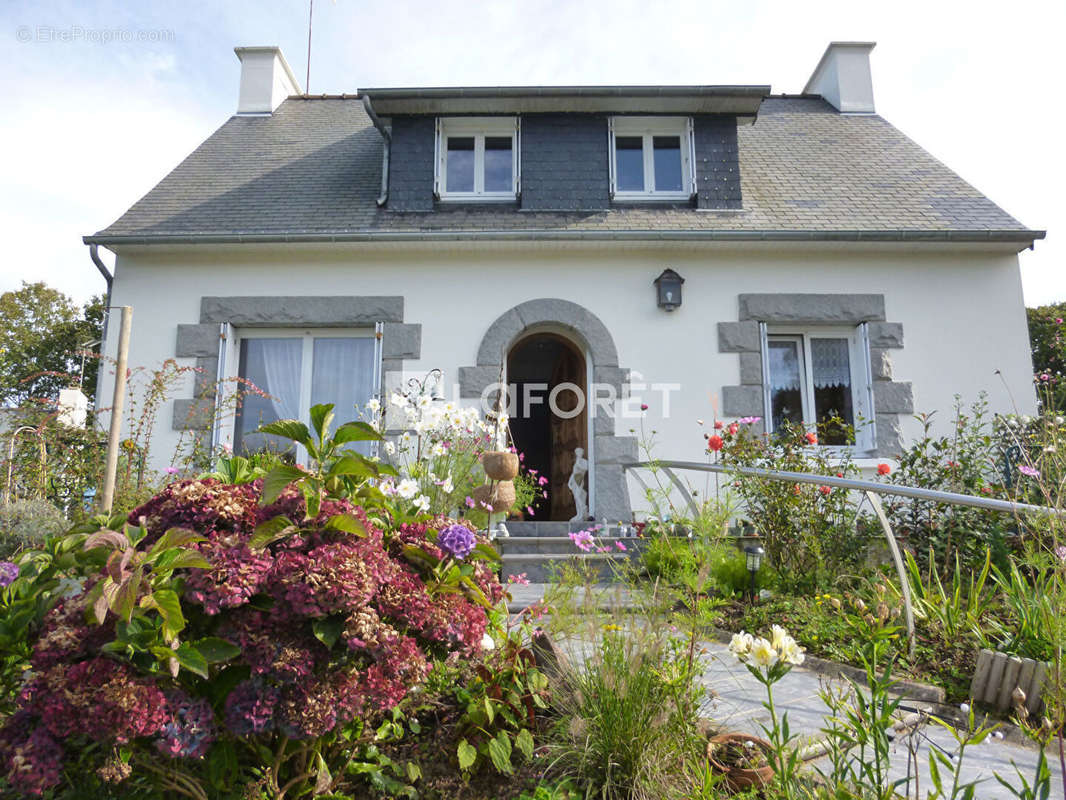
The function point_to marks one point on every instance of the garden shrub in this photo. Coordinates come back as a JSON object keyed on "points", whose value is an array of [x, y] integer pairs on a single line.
{"points": [[26, 523], [227, 638]]}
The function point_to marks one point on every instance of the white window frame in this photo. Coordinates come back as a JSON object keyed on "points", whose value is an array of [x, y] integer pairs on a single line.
{"points": [[859, 360], [648, 128], [479, 128], [232, 369]]}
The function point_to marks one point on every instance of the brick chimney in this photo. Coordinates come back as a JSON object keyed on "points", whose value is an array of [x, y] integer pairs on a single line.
{"points": [[266, 80], [843, 77]]}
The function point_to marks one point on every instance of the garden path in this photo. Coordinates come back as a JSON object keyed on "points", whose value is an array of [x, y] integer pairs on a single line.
{"points": [[737, 704]]}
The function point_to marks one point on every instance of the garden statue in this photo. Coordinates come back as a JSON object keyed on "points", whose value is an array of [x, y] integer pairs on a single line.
{"points": [[576, 486]]}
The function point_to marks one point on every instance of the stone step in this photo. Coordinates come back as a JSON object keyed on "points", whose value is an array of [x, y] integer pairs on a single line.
{"points": [[541, 568], [561, 545]]}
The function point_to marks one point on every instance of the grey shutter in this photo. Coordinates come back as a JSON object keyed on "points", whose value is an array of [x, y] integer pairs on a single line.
{"points": [[691, 128], [864, 346], [225, 335], [610, 155], [767, 405], [438, 151]]}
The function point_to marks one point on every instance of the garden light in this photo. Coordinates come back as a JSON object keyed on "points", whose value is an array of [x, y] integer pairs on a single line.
{"points": [[753, 555], [668, 290]]}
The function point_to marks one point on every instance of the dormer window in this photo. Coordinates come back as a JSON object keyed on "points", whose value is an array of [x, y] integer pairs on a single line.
{"points": [[652, 158], [477, 159]]}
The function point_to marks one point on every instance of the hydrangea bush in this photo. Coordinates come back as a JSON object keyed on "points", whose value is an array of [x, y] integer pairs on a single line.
{"points": [[270, 660]]}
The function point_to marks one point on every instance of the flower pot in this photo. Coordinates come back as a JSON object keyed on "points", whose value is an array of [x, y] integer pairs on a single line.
{"points": [[500, 465], [739, 777], [500, 496]]}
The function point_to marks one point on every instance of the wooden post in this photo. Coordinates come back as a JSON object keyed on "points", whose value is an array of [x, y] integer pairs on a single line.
{"points": [[107, 494]]}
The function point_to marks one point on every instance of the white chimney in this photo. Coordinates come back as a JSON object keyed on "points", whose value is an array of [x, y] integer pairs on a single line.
{"points": [[843, 77], [266, 80]]}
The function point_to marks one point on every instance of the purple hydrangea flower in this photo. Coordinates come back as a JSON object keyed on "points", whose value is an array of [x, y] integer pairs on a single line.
{"points": [[250, 708], [457, 540], [191, 729], [8, 572]]}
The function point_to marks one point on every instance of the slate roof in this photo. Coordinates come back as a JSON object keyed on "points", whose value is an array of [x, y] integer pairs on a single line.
{"points": [[312, 170]]}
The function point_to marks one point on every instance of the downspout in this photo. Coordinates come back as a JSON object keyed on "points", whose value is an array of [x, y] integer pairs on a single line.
{"points": [[94, 254], [386, 151]]}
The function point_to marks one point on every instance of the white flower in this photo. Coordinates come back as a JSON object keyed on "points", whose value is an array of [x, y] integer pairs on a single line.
{"points": [[447, 486], [398, 400], [373, 405], [964, 708], [407, 489], [1060, 420], [740, 644], [792, 653], [778, 635], [1049, 449], [388, 488], [422, 503], [488, 643], [390, 448], [438, 449], [1026, 419], [763, 653]]}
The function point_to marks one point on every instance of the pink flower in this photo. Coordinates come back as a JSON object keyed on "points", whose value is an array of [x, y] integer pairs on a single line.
{"points": [[518, 580], [1058, 320], [1025, 469], [620, 546], [883, 469], [1060, 553], [529, 510], [172, 470], [469, 502], [733, 428], [718, 425], [582, 540], [811, 438], [542, 481], [749, 420], [643, 406]]}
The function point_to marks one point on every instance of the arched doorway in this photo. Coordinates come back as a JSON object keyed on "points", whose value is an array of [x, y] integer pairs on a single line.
{"points": [[548, 376]]}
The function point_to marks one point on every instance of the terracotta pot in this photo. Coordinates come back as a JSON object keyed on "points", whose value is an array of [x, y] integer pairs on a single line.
{"points": [[500, 465], [501, 496], [740, 777]]}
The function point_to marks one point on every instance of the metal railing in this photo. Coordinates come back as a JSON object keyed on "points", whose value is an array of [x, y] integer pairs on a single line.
{"points": [[870, 489]]}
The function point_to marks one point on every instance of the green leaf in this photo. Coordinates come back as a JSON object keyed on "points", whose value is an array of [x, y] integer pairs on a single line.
{"points": [[467, 754], [169, 606], [352, 464], [271, 530], [348, 524], [328, 630], [321, 417], [188, 657], [216, 650], [500, 753], [185, 559], [490, 714], [524, 742], [277, 480], [356, 432], [288, 429], [414, 772], [313, 500], [175, 537], [125, 598]]}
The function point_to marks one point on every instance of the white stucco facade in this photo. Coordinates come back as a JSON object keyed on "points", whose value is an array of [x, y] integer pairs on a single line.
{"points": [[960, 307]]}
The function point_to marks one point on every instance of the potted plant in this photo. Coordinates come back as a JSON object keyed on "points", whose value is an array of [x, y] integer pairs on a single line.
{"points": [[743, 759]]}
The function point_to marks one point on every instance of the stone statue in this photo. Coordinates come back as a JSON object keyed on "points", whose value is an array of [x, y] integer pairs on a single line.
{"points": [[577, 488]]}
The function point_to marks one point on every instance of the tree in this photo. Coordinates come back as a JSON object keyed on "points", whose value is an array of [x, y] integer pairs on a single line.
{"points": [[1047, 338], [43, 334]]}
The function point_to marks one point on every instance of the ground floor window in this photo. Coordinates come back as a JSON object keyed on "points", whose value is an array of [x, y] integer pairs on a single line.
{"points": [[815, 376], [297, 370]]}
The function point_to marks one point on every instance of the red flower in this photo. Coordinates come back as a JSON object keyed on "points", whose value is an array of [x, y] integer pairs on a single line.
{"points": [[718, 424], [840, 474], [811, 438], [796, 489], [715, 443], [734, 428], [824, 490], [883, 469]]}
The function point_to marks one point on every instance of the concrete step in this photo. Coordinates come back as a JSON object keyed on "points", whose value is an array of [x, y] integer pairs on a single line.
{"points": [[518, 528], [541, 568], [560, 545]]}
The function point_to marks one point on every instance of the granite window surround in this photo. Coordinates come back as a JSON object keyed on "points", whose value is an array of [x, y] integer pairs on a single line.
{"points": [[609, 452], [400, 341], [891, 398]]}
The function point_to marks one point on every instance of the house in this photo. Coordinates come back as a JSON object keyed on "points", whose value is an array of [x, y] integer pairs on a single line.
{"points": [[702, 250]]}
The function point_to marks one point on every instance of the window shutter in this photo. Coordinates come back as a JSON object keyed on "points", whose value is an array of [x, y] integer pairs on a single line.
{"points": [[610, 154], [864, 349], [693, 188], [764, 351], [518, 156], [225, 352], [438, 151]]}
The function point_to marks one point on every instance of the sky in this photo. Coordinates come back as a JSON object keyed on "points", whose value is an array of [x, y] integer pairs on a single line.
{"points": [[103, 98]]}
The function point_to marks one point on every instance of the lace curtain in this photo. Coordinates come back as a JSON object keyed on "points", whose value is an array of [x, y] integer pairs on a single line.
{"points": [[784, 366], [831, 364]]}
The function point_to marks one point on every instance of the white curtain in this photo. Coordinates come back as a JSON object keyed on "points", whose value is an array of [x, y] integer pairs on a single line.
{"points": [[784, 366], [830, 363], [281, 365], [343, 374]]}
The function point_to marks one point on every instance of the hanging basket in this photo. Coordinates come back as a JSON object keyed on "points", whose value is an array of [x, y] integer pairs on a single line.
{"points": [[500, 496], [500, 465], [719, 749]]}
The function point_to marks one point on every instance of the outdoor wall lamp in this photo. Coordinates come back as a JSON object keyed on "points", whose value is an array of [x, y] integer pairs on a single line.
{"points": [[668, 290], [753, 555]]}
